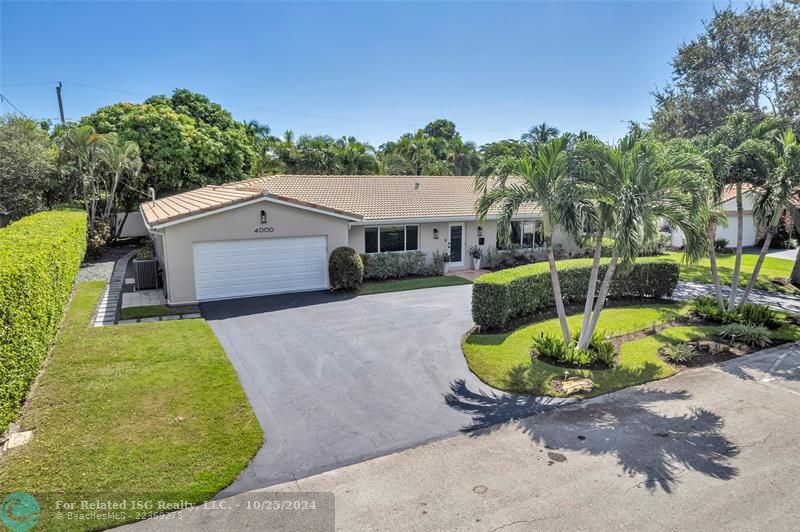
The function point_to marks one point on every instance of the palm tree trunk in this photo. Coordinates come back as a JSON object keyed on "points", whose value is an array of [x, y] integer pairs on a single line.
{"points": [[712, 258], [762, 254], [110, 196], [601, 301], [592, 289], [737, 265], [796, 269], [562, 314]]}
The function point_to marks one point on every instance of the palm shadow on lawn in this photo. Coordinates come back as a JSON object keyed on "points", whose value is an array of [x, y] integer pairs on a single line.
{"points": [[628, 426]]}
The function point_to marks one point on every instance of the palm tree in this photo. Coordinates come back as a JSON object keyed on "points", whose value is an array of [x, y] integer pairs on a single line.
{"points": [[540, 134], [537, 180], [635, 186], [782, 159], [731, 147], [356, 158], [80, 143], [122, 158]]}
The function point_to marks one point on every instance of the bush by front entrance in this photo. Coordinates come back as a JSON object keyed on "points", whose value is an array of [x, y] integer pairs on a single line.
{"points": [[501, 297]]}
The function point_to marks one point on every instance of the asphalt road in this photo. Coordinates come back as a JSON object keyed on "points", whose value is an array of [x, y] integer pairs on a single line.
{"points": [[335, 380], [709, 449]]}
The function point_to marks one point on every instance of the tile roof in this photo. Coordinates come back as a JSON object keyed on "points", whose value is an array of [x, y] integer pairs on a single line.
{"points": [[364, 197], [729, 192]]}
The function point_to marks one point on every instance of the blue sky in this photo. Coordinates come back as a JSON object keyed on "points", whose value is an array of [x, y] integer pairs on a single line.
{"points": [[373, 70]]}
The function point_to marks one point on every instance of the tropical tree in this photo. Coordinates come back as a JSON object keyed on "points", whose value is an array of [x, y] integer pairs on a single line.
{"points": [[355, 158], [121, 158], [744, 60], [539, 180], [540, 134], [775, 195], [81, 145], [634, 187], [732, 149], [27, 163]]}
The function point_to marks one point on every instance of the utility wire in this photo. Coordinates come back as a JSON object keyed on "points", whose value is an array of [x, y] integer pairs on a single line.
{"points": [[4, 99]]}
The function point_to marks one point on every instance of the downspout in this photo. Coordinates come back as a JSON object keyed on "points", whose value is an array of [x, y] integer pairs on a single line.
{"points": [[163, 235]]}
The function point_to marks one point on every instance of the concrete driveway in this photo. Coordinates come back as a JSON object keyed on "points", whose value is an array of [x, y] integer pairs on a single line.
{"points": [[335, 380]]}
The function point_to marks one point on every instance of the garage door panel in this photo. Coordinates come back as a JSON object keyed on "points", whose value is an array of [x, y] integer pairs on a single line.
{"points": [[239, 268]]}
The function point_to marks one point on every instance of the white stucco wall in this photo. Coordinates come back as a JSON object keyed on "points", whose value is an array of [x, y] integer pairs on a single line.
{"points": [[239, 224]]}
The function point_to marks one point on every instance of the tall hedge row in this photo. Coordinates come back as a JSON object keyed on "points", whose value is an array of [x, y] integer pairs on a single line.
{"points": [[39, 259], [500, 297]]}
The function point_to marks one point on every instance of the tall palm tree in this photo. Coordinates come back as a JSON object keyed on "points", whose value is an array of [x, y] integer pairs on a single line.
{"points": [[776, 194], [538, 180], [636, 185], [122, 158], [540, 134], [355, 158], [80, 144], [735, 165]]}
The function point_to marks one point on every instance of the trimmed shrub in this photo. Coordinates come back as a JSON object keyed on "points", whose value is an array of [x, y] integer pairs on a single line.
{"points": [[345, 269], [39, 259], [747, 334], [501, 297], [707, 308], [396, 264]]}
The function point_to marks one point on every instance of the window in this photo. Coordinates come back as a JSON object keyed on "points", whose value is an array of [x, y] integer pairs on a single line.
{"points": [[525, 234], [391, 238], [371, 240]]}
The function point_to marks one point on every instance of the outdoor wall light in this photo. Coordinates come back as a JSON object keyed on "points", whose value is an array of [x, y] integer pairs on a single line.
{"points": [[435, 234], [263, 217], [480, 231]]}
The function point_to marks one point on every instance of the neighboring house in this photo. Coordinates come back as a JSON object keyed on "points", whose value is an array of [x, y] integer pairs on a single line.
{"points": [[728, 203], [274, 234]]}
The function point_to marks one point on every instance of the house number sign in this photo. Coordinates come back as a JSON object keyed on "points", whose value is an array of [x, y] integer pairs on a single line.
{"points": [[264, 228]]}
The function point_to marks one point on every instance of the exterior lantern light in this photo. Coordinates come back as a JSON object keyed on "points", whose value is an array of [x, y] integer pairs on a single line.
{"points": [[480, 231], [435, 234], [263, 217]]}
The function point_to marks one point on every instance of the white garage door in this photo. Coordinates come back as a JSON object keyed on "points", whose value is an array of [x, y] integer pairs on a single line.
{"points": [[240, 268], [729, 233]]}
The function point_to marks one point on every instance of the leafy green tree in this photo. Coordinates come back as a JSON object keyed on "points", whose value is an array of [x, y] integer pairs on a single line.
{"points": [[436, 149], [356, 158], [27, 165], [441, 129], [745, 60], [185, 141]]}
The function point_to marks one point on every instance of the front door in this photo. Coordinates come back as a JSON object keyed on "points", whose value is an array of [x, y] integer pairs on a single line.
{"points": [[456, 244]]}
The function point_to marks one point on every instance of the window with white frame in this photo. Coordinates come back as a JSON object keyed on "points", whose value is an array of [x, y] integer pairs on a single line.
{"points": [[524, 234], [384, 238]]}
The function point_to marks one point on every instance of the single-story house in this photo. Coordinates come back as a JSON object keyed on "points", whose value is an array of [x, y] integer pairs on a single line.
{"points": [[728, 203], [274, 234]]}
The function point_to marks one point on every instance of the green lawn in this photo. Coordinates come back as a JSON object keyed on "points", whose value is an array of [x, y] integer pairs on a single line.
{"points": [[700, 272], [149, 411], [148, 311], [397, 285], [504, 361]]}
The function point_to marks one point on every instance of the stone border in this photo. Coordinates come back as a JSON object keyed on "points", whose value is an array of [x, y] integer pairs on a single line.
{"points": [[171, 317], [106, 313]]}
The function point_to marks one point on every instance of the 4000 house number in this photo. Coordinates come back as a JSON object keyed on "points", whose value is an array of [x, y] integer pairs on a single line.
{"points": [[264, 230]]}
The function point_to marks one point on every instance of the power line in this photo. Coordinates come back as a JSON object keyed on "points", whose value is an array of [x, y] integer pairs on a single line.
{"points": [[4, 99]]}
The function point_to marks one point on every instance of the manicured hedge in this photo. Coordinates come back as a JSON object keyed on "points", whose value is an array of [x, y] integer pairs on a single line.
{"points": [[39, 259], [399, 264], [500, 297]]}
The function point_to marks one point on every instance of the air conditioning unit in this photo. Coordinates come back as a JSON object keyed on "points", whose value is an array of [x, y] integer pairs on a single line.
{"points": [[147, 274]]}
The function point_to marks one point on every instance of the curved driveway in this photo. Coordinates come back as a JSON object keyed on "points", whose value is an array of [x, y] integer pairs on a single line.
{"points": [[335, 380]]}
